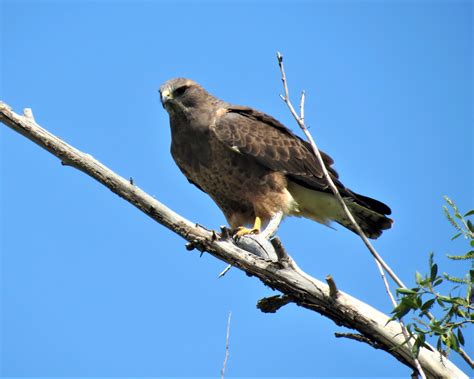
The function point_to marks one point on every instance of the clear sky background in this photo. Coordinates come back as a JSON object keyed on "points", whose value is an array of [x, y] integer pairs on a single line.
{"points": [[92, 287]]}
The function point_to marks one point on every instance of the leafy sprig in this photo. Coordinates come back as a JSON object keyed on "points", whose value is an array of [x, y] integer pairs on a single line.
{"points": [[456, 308]]}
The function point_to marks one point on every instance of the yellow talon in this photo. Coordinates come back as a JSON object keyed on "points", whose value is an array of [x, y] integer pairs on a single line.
{"points": [[242, 231]]}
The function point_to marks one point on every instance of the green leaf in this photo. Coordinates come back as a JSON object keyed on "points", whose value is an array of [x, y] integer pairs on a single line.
{"points": [[413, 301], [437, 282], [470, 226], [418, 330], [468, 255], [454, 279], [427, 305], [415, 349], [439, 347], [469, 213], [472, 243], [453, 341], [460, 337], [405, 306], [446, 299], [456, 236], [438, 329], [469, 292], [460, 301], [450, 219], [419, 278], [434, 272], [461, 313], [407, 291]]}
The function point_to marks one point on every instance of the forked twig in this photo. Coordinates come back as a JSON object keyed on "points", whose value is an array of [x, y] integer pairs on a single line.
{"points": [[378, 259], [300, 120]]}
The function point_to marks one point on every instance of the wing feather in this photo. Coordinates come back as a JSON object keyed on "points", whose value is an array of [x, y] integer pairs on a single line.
{"points": [[274, 146]]}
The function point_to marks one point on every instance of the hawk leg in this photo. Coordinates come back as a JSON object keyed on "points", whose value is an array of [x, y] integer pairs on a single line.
{"points": [[242, 231], [273, 225]]}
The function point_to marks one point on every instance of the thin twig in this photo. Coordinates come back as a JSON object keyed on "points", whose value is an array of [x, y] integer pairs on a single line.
{"points": [[402, 324], [302, 106], [227, 268], [380, 262], [300, 121], [226, 347]]}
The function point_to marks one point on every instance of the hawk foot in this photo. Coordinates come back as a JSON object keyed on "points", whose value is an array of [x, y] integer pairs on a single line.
{"points": [[242, 230]]}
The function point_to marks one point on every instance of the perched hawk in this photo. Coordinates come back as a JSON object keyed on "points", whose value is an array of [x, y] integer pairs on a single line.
{"points": [[254, 167]]}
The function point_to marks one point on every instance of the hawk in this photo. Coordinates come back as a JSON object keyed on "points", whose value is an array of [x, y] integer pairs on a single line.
{"points": [[253, 167]]}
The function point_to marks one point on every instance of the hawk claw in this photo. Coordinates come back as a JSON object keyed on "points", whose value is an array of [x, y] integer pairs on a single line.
{"points": [[243, 231]]}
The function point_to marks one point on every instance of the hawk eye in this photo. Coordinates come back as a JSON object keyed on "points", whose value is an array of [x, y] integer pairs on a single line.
{"points": [[179, 91]]}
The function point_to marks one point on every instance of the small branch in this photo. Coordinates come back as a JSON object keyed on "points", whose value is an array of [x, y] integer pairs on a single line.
{"points": [[281, 253], [273, 303], [226, 347], [28, 113], [459, 323], [228, 267], [466, 357], [332, 286]]}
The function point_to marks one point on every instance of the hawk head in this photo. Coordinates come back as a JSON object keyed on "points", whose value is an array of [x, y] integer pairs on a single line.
{"points": [[181, 95]]}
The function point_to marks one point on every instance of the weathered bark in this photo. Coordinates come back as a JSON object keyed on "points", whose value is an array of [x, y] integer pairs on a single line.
{"points": [[283, 275]]}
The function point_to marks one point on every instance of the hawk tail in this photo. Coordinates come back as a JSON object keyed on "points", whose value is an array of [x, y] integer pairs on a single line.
{"points": [[371, 222], [323, 207]]}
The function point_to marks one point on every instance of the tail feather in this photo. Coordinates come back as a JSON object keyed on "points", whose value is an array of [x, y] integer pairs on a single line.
{"points": [[373, 204], [323, 207], [371, 222]]}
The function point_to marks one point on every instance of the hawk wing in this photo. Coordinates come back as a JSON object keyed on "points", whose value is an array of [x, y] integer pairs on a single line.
{"points": [[274, 146]]}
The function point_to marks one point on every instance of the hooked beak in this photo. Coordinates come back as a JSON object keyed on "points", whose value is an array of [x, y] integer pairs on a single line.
{"points": [[165, 96]]}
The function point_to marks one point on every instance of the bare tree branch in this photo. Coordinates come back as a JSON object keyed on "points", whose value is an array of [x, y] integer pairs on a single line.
{"points": [[289, 279]]}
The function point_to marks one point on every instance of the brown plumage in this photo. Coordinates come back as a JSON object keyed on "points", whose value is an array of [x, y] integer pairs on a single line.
{"points": [[252, 165]]}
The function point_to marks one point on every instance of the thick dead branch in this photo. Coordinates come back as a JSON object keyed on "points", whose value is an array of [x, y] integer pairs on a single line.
{"points": [[303, 289]]}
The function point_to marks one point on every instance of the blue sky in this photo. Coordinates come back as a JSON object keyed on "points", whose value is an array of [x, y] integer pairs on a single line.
{"points": [[92, 288]]}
